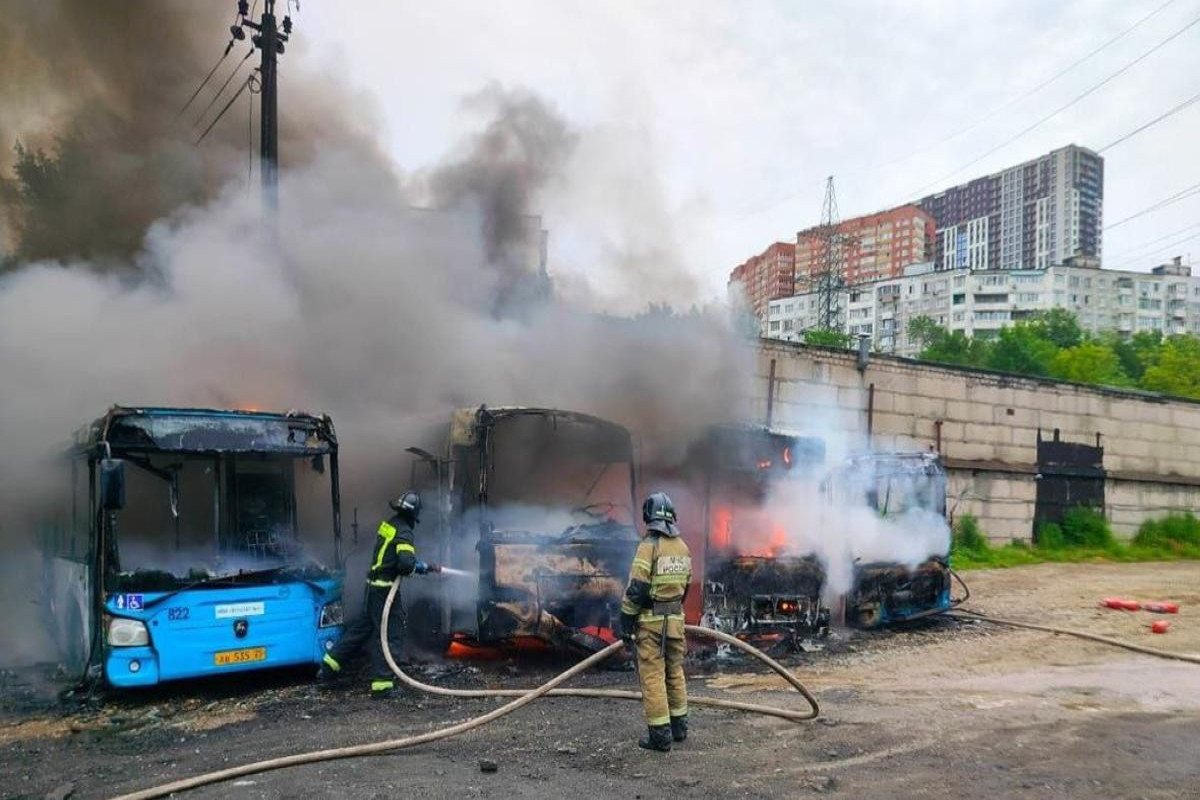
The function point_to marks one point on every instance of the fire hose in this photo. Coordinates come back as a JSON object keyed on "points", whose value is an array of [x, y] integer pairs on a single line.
{"points": [[523, 697], [962, 613]]}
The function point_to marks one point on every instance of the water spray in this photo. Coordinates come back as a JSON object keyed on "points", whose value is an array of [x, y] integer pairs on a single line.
{"points": [[459, 573]]}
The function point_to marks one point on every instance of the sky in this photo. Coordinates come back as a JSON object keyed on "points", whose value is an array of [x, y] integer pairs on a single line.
{"points": [[734, 113]]}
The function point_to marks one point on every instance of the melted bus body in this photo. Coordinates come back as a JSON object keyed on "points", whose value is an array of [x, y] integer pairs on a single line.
{"points": [[196, 542]]}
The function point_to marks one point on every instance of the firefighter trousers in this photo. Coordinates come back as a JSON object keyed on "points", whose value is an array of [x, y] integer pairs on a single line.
{"points": [[664, 691], [364, 630]]}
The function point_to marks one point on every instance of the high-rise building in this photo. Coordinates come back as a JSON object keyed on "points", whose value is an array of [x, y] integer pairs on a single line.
{"points": [[872, 247], [981, 302], [763, 277], [1030, 216]]}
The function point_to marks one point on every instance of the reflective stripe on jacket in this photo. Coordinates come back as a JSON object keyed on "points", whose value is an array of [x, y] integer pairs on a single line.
{"points": [[394, 552], [661, 572]]}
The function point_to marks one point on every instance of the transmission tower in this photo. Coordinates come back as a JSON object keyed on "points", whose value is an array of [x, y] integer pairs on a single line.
{"points": [[831, 278]]}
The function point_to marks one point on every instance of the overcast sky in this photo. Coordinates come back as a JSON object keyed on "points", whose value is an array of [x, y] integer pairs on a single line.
{"points": [[738, 110]]}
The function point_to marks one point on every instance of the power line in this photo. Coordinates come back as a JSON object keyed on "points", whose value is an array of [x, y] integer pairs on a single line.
{"points": [[1078, 98], [204, 82], [1175, 198], [1137, 261], [232, 100], [1029, 93], [224, 86], [1193, 99], [1134, 251], [758, 209]]}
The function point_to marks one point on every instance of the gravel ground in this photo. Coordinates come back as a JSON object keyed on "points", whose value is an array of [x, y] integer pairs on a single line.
{"points": [[938, 709]]}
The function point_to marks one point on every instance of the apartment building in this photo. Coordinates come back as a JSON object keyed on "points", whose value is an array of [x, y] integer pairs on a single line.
{"points": [[867, 248], [981, 302], [1030, 216], [764, 277]]}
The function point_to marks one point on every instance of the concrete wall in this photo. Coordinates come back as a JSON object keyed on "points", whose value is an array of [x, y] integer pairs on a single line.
{"points": [[988, 429]]}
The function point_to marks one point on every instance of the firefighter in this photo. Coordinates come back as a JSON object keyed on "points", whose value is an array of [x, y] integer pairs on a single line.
{"points": [[652, 619], [394, 555]]}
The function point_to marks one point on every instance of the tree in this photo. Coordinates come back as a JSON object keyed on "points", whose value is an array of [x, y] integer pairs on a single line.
{"points": [[1090, 362], [1176, 368], [1022, 348], [827, 338], [1057, 325], [924, 331], [938, 344]]}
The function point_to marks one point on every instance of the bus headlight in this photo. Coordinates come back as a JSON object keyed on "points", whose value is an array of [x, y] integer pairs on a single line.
{"points": [[124, 632], [331, 614]]}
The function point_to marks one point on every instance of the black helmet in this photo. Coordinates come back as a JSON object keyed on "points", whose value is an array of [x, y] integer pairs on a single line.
{"points": [[408, 504], [658, 512]]}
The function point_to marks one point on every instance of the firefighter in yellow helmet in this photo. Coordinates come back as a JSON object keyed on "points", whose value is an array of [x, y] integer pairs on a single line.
{"points": [[652, 616]]}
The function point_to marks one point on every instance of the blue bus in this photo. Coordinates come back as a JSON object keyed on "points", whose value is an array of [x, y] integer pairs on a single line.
{"points": [[194, 542]]}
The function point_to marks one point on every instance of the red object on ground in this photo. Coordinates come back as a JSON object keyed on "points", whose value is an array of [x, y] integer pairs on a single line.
{"points": [[1160, 626], [1163, 607], [1131, 605], [1113, 602]]}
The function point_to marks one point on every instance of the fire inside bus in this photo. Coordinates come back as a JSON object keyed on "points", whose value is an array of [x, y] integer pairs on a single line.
{"points": [[538, 505], [195, 542]]}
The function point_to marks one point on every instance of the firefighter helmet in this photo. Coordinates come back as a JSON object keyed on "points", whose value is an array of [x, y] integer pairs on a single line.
{"points": [[408, 504], [658, 512]]}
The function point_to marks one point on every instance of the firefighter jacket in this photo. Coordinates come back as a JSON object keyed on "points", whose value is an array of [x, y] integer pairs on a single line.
{"points": [[658, 582], [394, 552]]}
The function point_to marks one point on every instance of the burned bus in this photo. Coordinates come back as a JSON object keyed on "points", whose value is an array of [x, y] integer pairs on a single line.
{"points": [[195, 542], [775, 516], [908, 491], [537, 506], [755, 584]]}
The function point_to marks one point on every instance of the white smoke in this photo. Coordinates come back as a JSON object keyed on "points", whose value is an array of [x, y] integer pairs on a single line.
{"points": [[353, 302]]}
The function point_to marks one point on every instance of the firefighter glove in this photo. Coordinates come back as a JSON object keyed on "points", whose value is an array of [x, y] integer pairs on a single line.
{"points": [[628, 626]]}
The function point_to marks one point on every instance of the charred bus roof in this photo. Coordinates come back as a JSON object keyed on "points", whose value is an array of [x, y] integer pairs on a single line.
{"points": [[466, 422], [756, 449], [200, 430]]}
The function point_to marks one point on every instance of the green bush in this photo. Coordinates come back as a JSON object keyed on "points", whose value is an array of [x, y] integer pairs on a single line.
{"points": [[1083, 535], [968, 536], [1081, 527], [1177, 533]]}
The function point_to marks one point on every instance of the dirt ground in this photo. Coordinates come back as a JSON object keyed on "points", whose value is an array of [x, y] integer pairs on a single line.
{"points": [[939, 709]]}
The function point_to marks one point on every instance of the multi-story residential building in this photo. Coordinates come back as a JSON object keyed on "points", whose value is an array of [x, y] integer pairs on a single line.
{"points": [[1030, 216], [867, 248], [981, 302], [764, 277]]}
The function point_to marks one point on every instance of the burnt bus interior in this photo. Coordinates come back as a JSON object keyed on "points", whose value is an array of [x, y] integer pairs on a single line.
{"points": [[753, 587], [539, 503], [214, 494], [894, 484]]}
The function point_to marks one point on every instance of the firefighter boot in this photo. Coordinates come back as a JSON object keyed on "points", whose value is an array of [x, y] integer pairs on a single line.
{"points": [[657, 738], [679, 728], [328, 672]]}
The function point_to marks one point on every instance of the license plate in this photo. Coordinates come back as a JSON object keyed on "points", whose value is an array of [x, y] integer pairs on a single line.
{"points": [[243, 656]]}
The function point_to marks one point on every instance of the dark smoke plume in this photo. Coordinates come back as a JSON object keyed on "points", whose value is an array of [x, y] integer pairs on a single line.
{"points": [[382, 301], [91, 92], [498, 173]]}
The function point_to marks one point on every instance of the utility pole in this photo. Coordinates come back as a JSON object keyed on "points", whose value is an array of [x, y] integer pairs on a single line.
{"points": [[269, 40]]}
